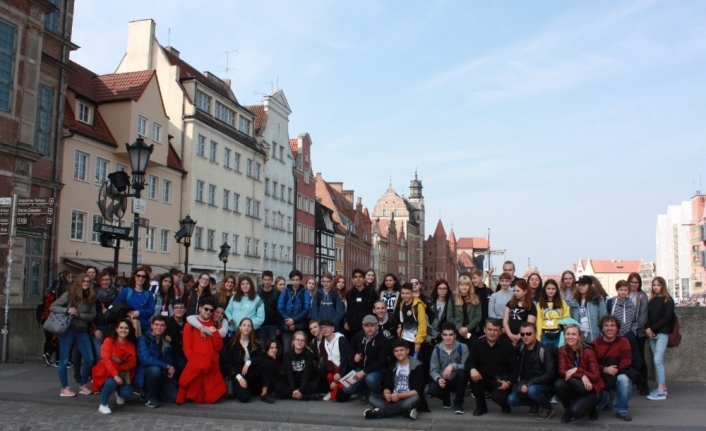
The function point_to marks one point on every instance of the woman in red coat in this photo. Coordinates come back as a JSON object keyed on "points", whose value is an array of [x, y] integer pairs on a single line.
{"points": [[580, 384], [201, 381], [116, 368]]}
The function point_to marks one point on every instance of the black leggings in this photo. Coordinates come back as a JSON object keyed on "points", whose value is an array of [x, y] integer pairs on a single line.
{"points": [[258, 377], [284, 390], [48, 347], [577, 401]]}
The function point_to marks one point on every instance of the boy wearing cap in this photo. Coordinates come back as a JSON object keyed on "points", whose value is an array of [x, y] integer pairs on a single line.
{"points": [[368, 355]]}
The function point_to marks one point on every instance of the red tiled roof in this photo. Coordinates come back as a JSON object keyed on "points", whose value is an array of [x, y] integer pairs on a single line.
{"points": [[465, 259], [384, 225], [187, 72], [616, 266], [260, 117], [122, 86], [439, 229], [366, 215], [294, 145], [474, 243], [81, 81], [98, 131], [452, 236], [173, 160]]}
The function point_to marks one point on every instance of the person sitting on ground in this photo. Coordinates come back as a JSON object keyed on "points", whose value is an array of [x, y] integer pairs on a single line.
{"points": [[116, 368], [332, 354], [403, 387], [316, 345], [411, 318], [447, 369], [580, 383], [386, 322], [273, 358], [173, 334], [201, 381], [614, 356], [538, 371], [298, 379], [493, 365], [368, 355], [156, 366], [245, 364]]}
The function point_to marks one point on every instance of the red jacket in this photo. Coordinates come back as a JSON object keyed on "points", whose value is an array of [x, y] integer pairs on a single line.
{"points": [[201, 381], [587, 366], [107, 367]]}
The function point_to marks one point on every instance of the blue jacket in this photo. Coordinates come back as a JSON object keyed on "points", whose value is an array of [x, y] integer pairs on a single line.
{"points": [[139, 301], [294, 306], [330, 308], [148, 356], [246, 307], [595, 309]]}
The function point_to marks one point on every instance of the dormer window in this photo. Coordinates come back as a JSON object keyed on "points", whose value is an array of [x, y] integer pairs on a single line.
{"points": [[244, 125], [203, 101], [84, 113]]}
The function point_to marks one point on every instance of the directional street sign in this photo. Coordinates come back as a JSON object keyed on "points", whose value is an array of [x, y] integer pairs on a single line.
{"points": [[34, 217], [31, 233], [143, 222], [113, 230]]}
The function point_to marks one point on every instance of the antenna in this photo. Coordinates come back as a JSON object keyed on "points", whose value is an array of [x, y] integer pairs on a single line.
{"points": [[272, 89], [169, 31], [227, 54]]}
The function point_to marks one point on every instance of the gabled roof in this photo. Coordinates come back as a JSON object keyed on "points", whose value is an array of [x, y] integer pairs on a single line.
{"points": [[465, 260], [188, 72], [174, 161], [99, 131], [294, 146], [81, 82], [440, 229], [260, 117], [108, 88], [474, 243], [616, 266]]}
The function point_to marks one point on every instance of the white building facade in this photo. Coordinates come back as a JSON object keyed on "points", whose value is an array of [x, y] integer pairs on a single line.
{"points": [[673, 249]]}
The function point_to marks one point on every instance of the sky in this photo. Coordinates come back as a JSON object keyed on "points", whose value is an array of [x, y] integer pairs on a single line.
{"points": [[563, 127]]}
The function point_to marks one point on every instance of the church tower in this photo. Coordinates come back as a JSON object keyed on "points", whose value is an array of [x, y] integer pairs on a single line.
{"points": [[416, 199]]}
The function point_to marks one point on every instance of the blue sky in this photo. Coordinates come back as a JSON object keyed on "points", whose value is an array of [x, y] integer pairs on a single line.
{"points": [[564, 127]]}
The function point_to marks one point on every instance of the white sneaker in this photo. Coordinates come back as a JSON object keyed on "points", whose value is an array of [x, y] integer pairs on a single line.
{"points": [[327, 397], [119, 400], [104, 409]]}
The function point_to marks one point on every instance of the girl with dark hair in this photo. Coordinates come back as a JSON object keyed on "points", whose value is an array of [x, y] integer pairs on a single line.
{"points": [[245, 364], [587, 307], [164, 296], [138, 296], [105, 295], [580, 385], [389, 291], [550, 310], [518, 310], [54, 291], [640, 299], [200, 290], [534, 281], [660, 312], [441, 298], [116, 369], [371, 279], [245, 304], [78, 301], [341, 286]]}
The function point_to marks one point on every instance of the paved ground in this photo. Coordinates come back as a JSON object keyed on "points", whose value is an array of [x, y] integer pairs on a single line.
{"points": [[29, 400]]}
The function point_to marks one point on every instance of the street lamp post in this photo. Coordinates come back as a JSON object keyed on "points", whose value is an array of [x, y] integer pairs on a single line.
{"points": [[139, 153], [223, 256], [186, 229]]}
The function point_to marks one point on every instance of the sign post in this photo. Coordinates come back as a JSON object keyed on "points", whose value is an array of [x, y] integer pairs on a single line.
{"points": [[7, 221]]}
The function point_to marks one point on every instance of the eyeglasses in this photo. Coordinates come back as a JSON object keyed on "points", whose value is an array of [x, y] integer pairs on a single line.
{"points": [[526, 334], [207, 310], [140, 276], [416, 282]]}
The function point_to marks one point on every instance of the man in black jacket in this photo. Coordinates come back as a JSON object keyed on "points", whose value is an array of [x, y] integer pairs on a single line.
{"points": [[360, 300], [538, 371], [494, 365], [368, 356]]}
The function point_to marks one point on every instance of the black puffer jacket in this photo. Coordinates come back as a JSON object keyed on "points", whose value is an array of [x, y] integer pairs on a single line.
{"points": [[544, 364]]}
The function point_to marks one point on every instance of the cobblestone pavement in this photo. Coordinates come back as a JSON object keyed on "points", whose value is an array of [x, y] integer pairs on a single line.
{"points": [[33, 417]]}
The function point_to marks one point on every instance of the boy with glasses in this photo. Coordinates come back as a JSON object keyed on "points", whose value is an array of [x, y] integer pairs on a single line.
{"points": [[173, 334]]}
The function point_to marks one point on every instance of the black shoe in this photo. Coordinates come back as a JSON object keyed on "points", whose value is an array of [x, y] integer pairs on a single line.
{"points": [[533, 411], [372, 414], [593, 415], [480, 412], [446, 404], [268, 398], [624, 416], [364, 399], [507, 409], [47, 360], [458, 409], [565, 418], [644, 390], [315, 397]]}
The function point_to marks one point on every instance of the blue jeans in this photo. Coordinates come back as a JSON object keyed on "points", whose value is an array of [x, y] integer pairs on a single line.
{"points": [[536, 395], [111, 386], [373, 384], [392, 409], [267, 332], [83, 343], [548, 342], [659, 347], [623, 390], [152, 376], [97, 348]]}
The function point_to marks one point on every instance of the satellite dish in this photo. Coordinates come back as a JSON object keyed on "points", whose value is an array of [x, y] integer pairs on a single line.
{"points": [[111, 203]]}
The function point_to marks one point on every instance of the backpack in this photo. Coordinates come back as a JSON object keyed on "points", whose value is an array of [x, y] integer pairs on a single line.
{"points": [[674, 336], [458, 349]]}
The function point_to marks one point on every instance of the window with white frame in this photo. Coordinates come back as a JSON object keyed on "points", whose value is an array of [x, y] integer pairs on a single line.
{"points": [[281, 191], [267, 217], [224, 237], [299, 232], [198, 237], [248, 206], [211, 194], [305, 234], [199, 190], [248, 171], [80, 166], [214, 150], [312, 207], [156, 132], [274, 248], [120, 168], [210, 239], [281, 153], [8, 33], [234, 244], [312, 237], [248, 240], [244, 125], [101, 173], [226, 157], [236, 162], [152, 187], [257, 209], [289, 224], [236, 202], [281, 221], [78, 225], [274, 189], [142, 126], [96, 236], [226, 199], [201, 146], [225, 114], [274, 150], [149, 238], [164, 240], [167, 191], [288, 256], [267, 186], [258, 170], [256, 247], [203, 101], [299, 201], [84, 113], [266, 249]]}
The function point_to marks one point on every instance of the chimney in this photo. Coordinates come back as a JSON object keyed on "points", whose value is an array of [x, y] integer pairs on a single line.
{"points": [[140, 41], [348, 197], [337, 187], [227, 82], [173, 51]]}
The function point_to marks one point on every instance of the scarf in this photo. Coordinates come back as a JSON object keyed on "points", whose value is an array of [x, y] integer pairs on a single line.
{"points": [[108, 295]]}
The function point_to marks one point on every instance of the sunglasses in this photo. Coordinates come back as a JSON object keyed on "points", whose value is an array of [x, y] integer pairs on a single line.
{"points": [[140, 276], [526, 334], [208, 310]]}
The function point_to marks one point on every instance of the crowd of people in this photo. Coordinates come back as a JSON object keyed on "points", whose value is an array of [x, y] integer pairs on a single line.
{"points": [[175, 338]]}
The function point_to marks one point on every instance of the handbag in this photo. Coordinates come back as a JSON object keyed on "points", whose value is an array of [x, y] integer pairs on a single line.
{"points": [[674, 336], [58, 323]]}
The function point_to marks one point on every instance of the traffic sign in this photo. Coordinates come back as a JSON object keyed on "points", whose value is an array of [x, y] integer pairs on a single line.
{"points": [[143, 222], [139, 206], [5, 202], [33, 216], [32, 232], [114, 230], [34, 201]]}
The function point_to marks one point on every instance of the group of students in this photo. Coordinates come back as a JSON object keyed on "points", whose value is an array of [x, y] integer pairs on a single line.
{"points": [[389, 345]]}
